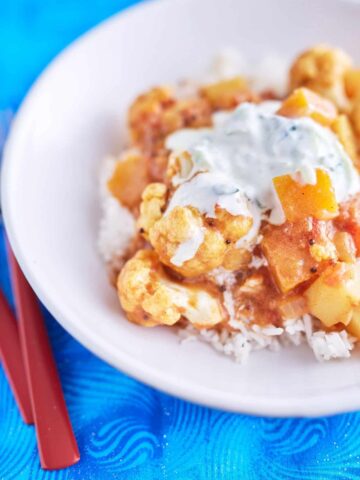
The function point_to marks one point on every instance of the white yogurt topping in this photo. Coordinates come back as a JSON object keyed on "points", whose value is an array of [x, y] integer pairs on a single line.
{"points": [[241, 155], [251, 146], [206, 190]]}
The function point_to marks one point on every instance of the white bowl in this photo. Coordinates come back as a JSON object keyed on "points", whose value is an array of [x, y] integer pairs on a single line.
{"points": [[74, 115]]}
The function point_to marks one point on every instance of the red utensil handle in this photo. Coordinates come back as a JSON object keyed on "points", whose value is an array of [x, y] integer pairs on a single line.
{"points": [[56, 441], [11, 356]]}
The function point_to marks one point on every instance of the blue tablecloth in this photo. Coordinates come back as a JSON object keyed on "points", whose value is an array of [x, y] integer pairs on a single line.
{"points": [[126, 430]]}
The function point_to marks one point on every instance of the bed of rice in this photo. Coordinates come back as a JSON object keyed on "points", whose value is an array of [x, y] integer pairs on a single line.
{"points": [[117, 227]]}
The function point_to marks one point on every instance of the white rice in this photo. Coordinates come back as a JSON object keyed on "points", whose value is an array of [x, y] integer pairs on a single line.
{"points": [[331, 345], [239, 343], [117, 228], [117, 225]]}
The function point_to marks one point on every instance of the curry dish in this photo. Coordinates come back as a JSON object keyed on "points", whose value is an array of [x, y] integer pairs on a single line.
{"points": [[246, 203]]}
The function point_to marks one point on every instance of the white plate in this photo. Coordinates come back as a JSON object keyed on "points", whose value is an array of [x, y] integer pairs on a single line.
{"points": [[74, 115]]}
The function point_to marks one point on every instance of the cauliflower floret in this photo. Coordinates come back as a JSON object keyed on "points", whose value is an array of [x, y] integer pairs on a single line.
{"points": [[146, 110], [157, 113], [191, 112], [204, 246], [150, 297], [322, 69], [236, 258], [152, 207], [232, 227], [193, 244], [186, 239]]}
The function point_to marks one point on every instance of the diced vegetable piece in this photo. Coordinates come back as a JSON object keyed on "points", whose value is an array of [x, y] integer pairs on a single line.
{"points": [[349, 219], [355, 119], [305, 103], [333, 296], [354, 326], [352, 83], [293, 306], [300, 201], [129, 179], [344, 131], [226, 93], [345, 247], [236, 258], [287, 250]]}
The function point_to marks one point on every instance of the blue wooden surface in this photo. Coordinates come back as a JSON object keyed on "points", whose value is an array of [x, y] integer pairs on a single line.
{"points": [[126, 430]]}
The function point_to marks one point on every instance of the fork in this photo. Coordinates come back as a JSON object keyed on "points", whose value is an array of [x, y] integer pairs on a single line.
{"points": [[30, 366]]}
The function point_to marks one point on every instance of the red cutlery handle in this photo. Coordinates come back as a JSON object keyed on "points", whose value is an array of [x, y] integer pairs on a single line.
{"points": [[56, 441], [11, 356]]}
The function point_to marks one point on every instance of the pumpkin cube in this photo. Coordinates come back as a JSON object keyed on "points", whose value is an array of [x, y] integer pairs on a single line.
{"points": [[303, 200], [345, 247], [354, 326], [129, 179], [287, 250], [334, 295], [226, 94], [305, 103], [352, 83]]}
